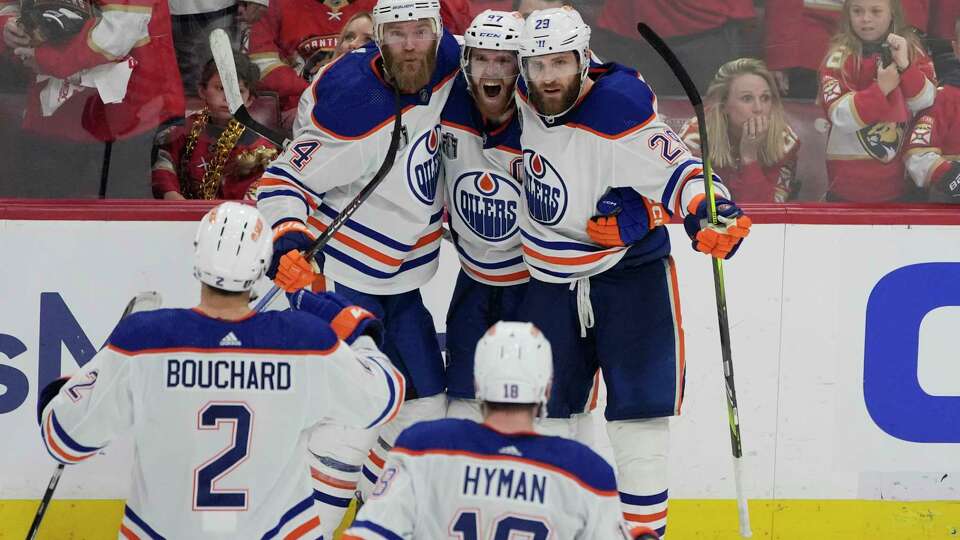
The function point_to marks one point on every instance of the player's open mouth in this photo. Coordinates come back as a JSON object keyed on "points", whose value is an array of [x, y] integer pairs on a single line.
{"points": [[491, 89]]}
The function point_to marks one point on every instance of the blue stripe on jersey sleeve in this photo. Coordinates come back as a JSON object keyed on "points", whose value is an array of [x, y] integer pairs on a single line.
{"points": [[280, 172], [576, 246], [393, 395], [188, 329], [644, 500], [379, 529], [467, 436], [285, 193], [373, 272], [299, 508], [367, 231], [67, 440], [671, 186], [132, 516]]}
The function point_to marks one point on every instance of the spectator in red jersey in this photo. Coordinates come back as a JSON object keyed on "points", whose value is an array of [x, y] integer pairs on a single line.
{"points": [[933, 147], [875, 78], [115, 80], [704, 34], [248, 13], [211, 155], [797, 35], [291, 32], [752, 147]]}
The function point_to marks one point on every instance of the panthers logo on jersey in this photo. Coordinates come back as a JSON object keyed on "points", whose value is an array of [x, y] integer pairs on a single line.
{"points": [[882, 141], [487, 203], [544, 188], [423, 166]]}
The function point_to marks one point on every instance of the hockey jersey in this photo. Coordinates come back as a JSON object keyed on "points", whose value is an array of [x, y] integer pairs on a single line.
{"points": [[456, 478], [867, 129], [220, 412], [672, 18], [240, 171], [483, 178], [754, 182], [612, 138], [934, 141], [391, 244]]}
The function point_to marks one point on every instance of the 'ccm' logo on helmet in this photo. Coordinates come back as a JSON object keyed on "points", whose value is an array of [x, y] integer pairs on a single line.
{"points": [[423, 166], [546, 193], [487, 203]]}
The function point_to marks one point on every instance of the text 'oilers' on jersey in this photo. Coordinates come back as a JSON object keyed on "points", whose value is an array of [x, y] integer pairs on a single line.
{"points": [[220, 412], [456, 478], [391, 244], [483, 178], [612, 138]]}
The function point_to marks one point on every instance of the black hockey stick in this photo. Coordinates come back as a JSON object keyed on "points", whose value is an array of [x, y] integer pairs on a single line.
{"points": [[227, 69], [140, 299], [734, 418], [345, 214]]}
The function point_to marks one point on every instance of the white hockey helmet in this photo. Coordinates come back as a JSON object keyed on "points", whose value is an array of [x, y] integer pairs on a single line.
{"points": [[555, 30], [232, 248], [388, 11], [492, 30], [513, 363]]}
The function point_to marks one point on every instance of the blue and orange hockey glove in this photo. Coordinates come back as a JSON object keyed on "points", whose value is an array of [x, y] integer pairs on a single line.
{"points": [[347, 320], [624, 217], [723, 239], [288, 269]]}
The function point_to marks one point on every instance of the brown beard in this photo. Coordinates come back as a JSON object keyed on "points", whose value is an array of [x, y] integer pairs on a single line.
{"points": [[408, 79], [568, 98]]}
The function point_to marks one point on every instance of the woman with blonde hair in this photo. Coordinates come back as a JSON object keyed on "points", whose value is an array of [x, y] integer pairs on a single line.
{"points": [[752, 147], [875, 78]]}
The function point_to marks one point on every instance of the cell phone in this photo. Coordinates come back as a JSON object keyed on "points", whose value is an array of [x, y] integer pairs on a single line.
{"points": [[886, 55]]}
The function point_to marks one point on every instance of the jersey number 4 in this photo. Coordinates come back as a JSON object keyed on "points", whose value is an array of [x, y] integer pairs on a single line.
{"points": [[213, 416], [467, 527]]}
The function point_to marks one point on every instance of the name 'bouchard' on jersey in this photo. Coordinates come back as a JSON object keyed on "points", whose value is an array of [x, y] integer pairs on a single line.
{"points": [[232, 374]]}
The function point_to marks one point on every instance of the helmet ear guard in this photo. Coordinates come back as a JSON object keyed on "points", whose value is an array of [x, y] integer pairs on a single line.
{"points": [[232, 248]]}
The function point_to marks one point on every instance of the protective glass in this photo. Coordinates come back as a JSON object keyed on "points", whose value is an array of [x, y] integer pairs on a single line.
{"points": [[550, 67], [491, 65], [403, 36]]}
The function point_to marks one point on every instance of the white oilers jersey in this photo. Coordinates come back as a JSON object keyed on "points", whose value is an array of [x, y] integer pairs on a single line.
{"points": [[613, 138], [344, 125], [483, 174], [221, 413], [459, 479]]}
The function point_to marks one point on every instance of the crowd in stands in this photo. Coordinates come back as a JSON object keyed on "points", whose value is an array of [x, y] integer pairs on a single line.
{"points": [[806, 100]]}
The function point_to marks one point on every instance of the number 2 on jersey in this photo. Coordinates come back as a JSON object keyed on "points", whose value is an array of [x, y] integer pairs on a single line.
{"points": [[665, 141], [467, 526], [213, 416]]}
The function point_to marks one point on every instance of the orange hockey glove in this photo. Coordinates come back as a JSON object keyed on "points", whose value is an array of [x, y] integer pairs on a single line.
{"points": [[723, 239], [289, 269]]}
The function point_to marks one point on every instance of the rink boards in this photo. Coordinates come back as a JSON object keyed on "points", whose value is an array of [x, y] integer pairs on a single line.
{"points": [[843, 328]]}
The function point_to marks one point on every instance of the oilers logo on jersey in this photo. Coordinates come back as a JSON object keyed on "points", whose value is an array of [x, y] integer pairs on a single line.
{"points": [[545, 190], [487, 203], [423, 166]]}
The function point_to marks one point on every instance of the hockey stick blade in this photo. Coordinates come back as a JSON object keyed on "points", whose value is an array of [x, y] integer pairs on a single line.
{"points": [[144, 301], [223, 57], [718, 282], [345, 214]]}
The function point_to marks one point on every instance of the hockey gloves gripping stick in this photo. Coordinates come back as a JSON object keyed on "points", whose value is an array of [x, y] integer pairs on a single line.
{"points": [[144, 301], [710, 211], [719, 240], [288, 268], [223, 57]]}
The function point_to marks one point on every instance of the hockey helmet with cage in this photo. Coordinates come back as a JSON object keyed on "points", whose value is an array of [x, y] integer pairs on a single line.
{"points": [[492, 30], [232, 248], [388, 11], [513, 363], [555, 30]]}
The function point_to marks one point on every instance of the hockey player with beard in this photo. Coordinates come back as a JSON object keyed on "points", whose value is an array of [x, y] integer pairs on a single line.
{"points": [[389, 248], [603, 289]]}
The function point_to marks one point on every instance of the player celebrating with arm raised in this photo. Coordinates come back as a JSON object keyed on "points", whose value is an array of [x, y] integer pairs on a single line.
{"points": [[220, 399], [390, 246], [459, 478], [603, 288]]}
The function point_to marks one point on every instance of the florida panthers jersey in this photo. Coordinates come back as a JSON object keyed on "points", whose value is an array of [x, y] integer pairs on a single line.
{"points": [[344, 123], [612, 138], [456, 478], [483, 171], [221, 412]]}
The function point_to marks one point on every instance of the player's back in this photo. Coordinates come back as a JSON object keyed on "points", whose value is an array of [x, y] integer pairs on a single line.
{"points": [[471, 481], [221, 411]]}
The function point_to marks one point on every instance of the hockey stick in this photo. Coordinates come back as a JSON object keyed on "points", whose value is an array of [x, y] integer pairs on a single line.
{"points": [[141, 302], [223, 57], [351, 208], [734, 418]]}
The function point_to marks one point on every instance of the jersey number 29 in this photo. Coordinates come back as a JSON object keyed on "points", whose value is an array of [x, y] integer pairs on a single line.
{"points": [[213, 416], [467, 526]]}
